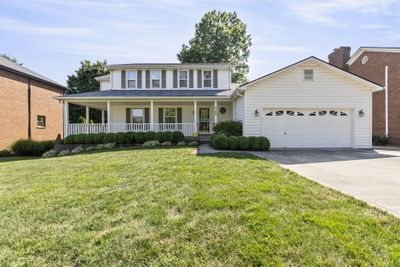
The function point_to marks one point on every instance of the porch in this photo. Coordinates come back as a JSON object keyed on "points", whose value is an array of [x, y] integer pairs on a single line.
{"points": [[189, 117]]}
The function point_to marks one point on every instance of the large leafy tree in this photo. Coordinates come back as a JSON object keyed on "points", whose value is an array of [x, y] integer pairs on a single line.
{"points": [[83, 80], [220, 37]]}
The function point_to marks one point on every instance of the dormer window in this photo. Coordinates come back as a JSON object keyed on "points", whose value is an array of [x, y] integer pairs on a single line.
{"points": [[308, 75], [183, 78], [155, 78], [131, 81], [207, 77]]}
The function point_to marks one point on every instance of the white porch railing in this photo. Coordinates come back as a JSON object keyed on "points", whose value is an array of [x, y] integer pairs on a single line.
{"points": [[79, 128]]}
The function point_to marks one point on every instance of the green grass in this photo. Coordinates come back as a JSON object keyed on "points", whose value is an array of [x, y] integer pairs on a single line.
{"points": [[170, 207]]}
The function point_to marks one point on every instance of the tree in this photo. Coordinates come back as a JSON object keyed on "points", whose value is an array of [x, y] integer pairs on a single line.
{"points": [[220, 37], [84, 81], [13, 59]]}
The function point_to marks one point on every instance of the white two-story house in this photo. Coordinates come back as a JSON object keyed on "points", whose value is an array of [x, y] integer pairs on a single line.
{"points": [[307, 104]]}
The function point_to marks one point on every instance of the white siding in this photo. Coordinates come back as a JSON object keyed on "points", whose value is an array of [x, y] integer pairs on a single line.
{"points": [[104, 85], [223, 79], [239, 109], [328, 90], [116, 79]]}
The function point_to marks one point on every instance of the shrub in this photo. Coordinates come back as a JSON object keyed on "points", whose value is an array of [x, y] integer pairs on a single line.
{"points": [[150, 135], [380, 140], [105, 146], [181, 143], [152, 143], [221, 142], [233, 143], [48, 145], [243, 142], [90, 148], [5, 153], [213, 137], [254, 143], [166, 143], [177, 137], [69, 139], [109, 138], [79, 139], [228, 128], [129, 137], [89, 139], [193, 143], [168, 136], [77, 150], [28, 148], [63, 152], [49, 154], [264, 143], [140, 137], [120, 138], [98, 138], [160, 137]]}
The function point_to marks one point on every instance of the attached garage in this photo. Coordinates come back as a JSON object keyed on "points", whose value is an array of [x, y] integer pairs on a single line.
{"points": [[310, 104]]}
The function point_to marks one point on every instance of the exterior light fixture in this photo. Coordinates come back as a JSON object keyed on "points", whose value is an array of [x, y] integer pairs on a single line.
{"points": [[256, 113], [361, 113]]}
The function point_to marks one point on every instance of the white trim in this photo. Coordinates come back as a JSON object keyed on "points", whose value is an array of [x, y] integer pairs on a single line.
{"points": [[361, 50], [66, 118], [211, 80], [108, 115], [176, 113], [151, 78], [127, 80], [187, 78], [304, 75]]}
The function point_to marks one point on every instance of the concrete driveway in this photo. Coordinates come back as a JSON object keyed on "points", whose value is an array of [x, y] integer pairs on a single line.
{"points": [[369, 175]]}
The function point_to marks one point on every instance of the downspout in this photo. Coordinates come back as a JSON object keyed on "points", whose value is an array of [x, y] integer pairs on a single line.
{"points": [[386, 101], [29, 109]]}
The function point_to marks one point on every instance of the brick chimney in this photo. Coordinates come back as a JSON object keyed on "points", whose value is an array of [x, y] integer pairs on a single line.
{"points": [[339, 57]]}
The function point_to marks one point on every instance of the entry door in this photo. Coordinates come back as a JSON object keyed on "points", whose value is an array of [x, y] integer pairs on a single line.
{"points": [[204, 119]]}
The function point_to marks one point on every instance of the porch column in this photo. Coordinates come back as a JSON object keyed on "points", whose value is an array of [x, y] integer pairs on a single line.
{"points": [[195, 116], [215, 112], [102, 116], [108, 116], [151, 115], [66, 118], [87, 114]]}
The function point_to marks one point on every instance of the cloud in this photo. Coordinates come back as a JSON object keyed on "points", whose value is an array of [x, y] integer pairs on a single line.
{"points": [[373, 26]]}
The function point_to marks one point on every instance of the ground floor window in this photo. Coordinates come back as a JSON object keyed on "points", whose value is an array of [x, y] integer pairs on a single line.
{"points": [[170, 115], [137, 115], [41, 121]]}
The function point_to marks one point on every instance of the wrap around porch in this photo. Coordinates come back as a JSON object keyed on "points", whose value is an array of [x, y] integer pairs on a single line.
{"points": [[189, 117]]}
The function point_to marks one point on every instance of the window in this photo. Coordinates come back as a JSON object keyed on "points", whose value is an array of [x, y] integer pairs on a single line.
{"points": [[313, 114], [41, 121], [183, 79], [333, 113], [207, 77], [300, 113], [222, 110], [322, 113], [170, 115], [137, 115], [131, 79], [343, 114], [269, 114], [308, 75], [279, 113], [155, 76], [290, 113]]}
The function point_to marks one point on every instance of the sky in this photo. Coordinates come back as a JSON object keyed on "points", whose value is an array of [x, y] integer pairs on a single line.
{"points": [[51, 37]]}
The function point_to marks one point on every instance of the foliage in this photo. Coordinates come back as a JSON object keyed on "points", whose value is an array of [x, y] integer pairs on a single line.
{"points": [[99, 138], [30, 147], [140, 137], [254, 143], [130, 137], [221, 142], [77, 150], [150, 135], [105, 146], [64, 152], [79, 139], [166, 143], [69, 139], [220, 37], [181, 143], [228, 128], [243, 142], [49, 154], [89, 139], [177, 136], [168, 136], [120, 138], [152, 143], [380, 140], [264, 143], [233, 143], [109, 138], [5, 153]]}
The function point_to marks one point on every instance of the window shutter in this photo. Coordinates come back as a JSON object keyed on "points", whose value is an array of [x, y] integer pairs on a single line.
{"points": [[146, 115], [160, 115], [123, 79], [128, 115], [190, 78], [139, 79], [175, 79], [199, 79], [147, 79], [163, 79], [179, 115], [215, 78]]}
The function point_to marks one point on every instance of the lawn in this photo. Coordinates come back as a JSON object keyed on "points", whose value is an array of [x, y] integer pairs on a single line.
{"points": [[170, 207]]}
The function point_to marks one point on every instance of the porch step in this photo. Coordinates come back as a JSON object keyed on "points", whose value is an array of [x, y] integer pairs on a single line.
{"points": [[205, 138]]}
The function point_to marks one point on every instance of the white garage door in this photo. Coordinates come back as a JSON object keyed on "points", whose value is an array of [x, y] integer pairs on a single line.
{"points": [[308, 127]]}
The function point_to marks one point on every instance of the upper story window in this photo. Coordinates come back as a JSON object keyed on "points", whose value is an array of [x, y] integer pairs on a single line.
{"points": [[41, 121], [131, 79], [155, 76], [308, 75], [207, 77], [183, 78]]}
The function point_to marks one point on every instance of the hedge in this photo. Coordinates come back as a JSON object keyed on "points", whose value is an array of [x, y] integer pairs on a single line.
{"points": [[109, 138], [31, 148], [221, 142], [233, 142], [119, 138], [254, 143], [177, 137], [228, 128]]}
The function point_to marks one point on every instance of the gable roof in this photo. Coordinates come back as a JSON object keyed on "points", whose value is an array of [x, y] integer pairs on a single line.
{"points": [[376, 86], [363, 49], [11, 66]]}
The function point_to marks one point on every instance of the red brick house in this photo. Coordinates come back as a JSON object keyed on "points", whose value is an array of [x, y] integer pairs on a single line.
{"points": [[27, 105], [370, 63]]}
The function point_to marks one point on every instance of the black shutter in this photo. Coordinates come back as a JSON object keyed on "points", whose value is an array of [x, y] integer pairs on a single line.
{"points": [[179, 115], [139, 79], [128, 115], [163, 79], [123, 79], [146, 115], [215, 78], [160, 115], [190, 78], [147, 79], [175, 85], [199, 79]]}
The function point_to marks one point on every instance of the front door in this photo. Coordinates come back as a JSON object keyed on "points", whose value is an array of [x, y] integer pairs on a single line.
{"points": [[204, 120]]}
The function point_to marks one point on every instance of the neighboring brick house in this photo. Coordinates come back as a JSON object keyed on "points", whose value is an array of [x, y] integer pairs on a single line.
{"points": [[27, 105], [370, 63]]}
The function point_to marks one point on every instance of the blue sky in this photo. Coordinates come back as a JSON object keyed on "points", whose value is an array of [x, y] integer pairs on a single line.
{"points": [[52, 37]]}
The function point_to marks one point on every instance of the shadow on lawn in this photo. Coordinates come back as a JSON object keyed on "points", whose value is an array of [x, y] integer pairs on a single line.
{"points": [[232, 155], [16, 158]]}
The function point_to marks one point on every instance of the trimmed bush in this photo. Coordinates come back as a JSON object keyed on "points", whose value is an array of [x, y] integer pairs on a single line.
{"points": [[64, 152], [120, 138], [28, 148], [168, 136], [233, 142], [77, 150], [48, 145], [49, 154], [166, 143], [89, 139], [109, 138], [5, 153], [79, 139], [221, 142], [150, 135], [177, 137], [69, 139], [228, 128], [243, 142], [152, 143], [264, 143], [105, 146], [380, 140], [160, 137], [254, 143], [98, 138], [140, 137], [129, 137]]}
